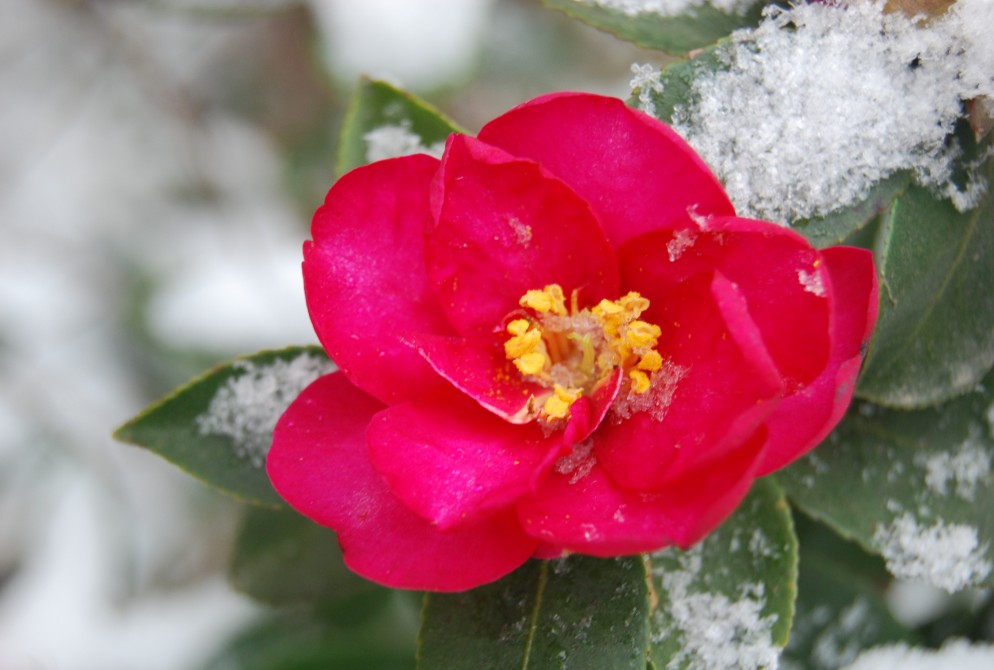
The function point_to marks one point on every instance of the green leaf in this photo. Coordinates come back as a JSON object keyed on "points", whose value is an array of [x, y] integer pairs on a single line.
{"points": [[935, 334], [296, 640], [842, 224], [729, 600], [376, 105], [218, 427], [695, 28], [840, 611], [914, 487], [282, 558], [578, 612], [675, 88]]}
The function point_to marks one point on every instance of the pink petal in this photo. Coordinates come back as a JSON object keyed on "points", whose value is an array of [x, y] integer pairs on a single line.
{"points": [[594, 515], [636, 173], [504, 227], [365, 281], [320, 465], [718, 386], [479, 368], [782, 278], [804, 419], [453, 463], [588, 412]]}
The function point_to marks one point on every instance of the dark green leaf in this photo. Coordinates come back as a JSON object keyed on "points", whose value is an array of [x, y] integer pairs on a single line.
{"points": [[840, 226], [729, 600], [378, 106], [303, 641], [219, 426], [935, 335], [840, 611], [695, 28], [283, 558], [675, 88], [914, 487], [577, 613]]}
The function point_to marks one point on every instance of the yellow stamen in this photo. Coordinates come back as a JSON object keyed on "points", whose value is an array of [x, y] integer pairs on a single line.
{"points": [[640, 381], [530, 364], [651, 361], [642, 334], [520, 345], [634, 304], [558, 404], [572, 350], [549, 299], [518, 326]]}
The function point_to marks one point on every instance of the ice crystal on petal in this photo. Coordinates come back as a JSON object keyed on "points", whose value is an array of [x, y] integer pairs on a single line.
{"points": [[811, 281], [656, 401], [578, 463], [247, 407], [682, 240]]}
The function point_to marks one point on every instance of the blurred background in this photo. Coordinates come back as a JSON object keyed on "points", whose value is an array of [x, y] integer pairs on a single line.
{"points": [[159, 163]]}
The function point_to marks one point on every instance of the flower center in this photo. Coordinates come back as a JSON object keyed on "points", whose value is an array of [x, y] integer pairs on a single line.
{"points": [[570, 350]]}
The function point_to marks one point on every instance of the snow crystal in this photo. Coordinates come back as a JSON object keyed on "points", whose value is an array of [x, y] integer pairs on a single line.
{"points": [[671, 7], [393, 141], [646, 82], [954, 655], [964, 468], [946, 555], [820, 102], [656, 401], [811, 281], [682, 240], [247, 407], [715, 632], [578, 462], [841, 641]]}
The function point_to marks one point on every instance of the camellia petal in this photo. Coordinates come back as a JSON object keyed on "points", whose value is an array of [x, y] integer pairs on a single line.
{"points": [[805, 418], [319, 464], [500, 233], [453, 463], [365, 279], [716, 367], [637, 173], [781, 276], [614, 520], [479, 368]]}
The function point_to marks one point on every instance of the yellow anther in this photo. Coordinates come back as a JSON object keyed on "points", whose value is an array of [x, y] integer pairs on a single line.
{"points": [[640, 381], [650, 361], [530, 364], [558, 404], [607, 308], [634, 304], [521, 345], [518, 326], [642, 334], [549, 299]]}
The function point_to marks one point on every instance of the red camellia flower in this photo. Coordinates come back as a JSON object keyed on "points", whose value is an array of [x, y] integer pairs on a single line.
{"points": [[557, 338]]}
